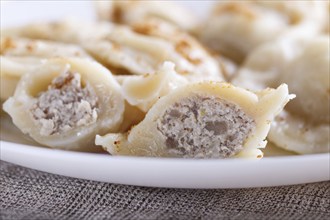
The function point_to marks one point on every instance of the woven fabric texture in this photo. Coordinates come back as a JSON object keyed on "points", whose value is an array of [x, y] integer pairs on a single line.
{"points": [[31, 194]]}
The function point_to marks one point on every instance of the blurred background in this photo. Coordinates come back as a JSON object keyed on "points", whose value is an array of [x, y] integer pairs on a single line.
{"points": [[21, 12]]}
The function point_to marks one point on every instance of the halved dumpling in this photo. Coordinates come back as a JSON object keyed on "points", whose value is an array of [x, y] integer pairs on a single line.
{"points": [[130, 11], [202, 120], [20, 55], [64, 103]]}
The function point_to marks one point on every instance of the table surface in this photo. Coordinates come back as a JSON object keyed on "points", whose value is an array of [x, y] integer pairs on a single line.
{"points": [[31, 194]]}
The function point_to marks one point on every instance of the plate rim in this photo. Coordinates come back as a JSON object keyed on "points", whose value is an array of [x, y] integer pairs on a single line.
{"points": [[169, 159], [318, 168]]}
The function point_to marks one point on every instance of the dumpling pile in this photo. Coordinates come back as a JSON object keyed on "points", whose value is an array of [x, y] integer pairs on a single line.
{"points": [[141, 82]]}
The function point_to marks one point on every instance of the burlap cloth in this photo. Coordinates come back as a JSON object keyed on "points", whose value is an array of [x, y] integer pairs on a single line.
{"points": [[30, 194]]}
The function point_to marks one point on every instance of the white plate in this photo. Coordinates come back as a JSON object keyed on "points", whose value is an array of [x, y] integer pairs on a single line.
{"points": [[178, 173], [159, 172], [275, 169]]}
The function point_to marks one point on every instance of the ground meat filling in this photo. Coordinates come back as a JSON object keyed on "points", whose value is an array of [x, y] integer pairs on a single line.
{"points": [[66, 104], [205, 127]]}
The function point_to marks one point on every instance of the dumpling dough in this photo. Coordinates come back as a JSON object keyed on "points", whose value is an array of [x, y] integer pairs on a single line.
{"points": [[297, 134], [64, 103], [144, 91], [136, 51], [19, 55], [130, 11], [202, 120], [13, 46], [236, 28], [302, 63]]}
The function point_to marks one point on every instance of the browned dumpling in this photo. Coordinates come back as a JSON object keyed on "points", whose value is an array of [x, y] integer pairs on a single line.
{"points": [[135, 51]]}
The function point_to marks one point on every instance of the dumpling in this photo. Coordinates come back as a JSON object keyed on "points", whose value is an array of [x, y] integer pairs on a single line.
{"points": [[297, 134], [308, 75], [130, 11], [202, 120], [19, 55], [264, 66], [302, 63], [136, 51], [306, 16], [192, 60], [144, 48], [305, 127], [23, 47], [236, 28], [64, 103]]}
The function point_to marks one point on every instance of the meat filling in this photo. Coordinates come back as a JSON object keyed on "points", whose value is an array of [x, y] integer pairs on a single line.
{"points": [[205, 127], [66, 104]]}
